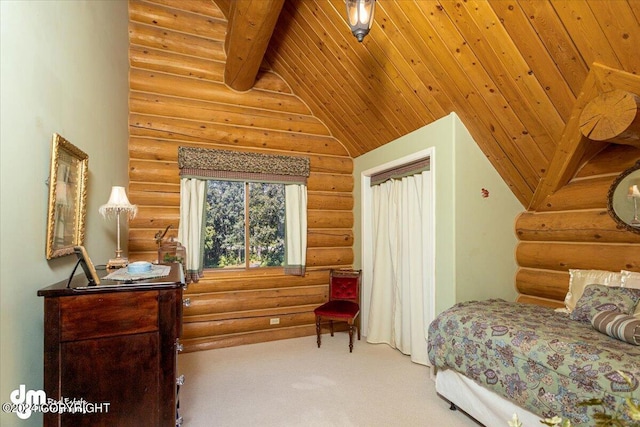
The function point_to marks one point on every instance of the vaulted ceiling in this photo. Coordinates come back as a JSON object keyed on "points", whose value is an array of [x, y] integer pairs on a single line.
{"points": [[512, 70]]}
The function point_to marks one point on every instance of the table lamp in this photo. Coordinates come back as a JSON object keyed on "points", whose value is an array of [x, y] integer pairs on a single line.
{"points": [[118, 203]]}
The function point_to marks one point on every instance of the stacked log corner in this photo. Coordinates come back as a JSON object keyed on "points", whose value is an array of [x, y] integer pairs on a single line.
{"points": [[573, 230], [178, 98], [613, 116]]}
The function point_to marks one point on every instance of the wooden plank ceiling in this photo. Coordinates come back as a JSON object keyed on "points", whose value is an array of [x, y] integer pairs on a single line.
{"points": [[512, 70]]}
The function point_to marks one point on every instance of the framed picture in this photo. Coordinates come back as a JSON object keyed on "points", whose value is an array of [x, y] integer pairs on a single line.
{"points": [[87, 266], [67, 198]]}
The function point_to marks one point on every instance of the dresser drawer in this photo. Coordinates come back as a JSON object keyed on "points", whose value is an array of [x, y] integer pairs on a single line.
{"points": [[108, 314]]}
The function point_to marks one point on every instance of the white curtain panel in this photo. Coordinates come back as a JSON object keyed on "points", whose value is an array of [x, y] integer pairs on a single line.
{"points": [[399, 312], [296, 229], [192, 199]]}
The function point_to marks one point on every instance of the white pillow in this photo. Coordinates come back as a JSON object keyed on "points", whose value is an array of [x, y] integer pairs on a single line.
{"points": [[630, 279], [579, 279]]}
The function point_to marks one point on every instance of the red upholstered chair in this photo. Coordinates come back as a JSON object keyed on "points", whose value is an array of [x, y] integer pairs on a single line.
{"points": [[343, 304]]}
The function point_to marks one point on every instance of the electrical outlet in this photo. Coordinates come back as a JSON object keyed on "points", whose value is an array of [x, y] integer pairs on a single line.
{"points": [[274, 321]]}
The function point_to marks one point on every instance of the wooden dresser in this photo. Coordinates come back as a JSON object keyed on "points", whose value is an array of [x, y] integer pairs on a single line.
{"points": [[111, 350]]}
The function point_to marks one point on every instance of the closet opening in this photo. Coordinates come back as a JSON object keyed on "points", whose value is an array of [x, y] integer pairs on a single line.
{"points": [[398, 238]]}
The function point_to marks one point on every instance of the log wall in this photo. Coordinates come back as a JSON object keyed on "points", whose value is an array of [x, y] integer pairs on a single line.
{"points": [[178, 98], [573, 230]]}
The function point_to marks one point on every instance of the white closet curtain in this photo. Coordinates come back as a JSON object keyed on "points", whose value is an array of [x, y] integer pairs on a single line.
{"points": [[399, 312], [296, 229], [192, 199]]}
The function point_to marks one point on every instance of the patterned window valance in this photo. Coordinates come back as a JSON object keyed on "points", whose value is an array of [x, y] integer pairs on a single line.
{"points": [[242, 166]]}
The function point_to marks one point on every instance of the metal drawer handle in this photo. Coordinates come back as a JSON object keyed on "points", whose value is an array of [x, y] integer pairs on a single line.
{"points": [[186, 302], [180, 380], [179, 346]]}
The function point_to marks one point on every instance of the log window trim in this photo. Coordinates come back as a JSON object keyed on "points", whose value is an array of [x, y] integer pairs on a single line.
{"points": [[230, 165]]}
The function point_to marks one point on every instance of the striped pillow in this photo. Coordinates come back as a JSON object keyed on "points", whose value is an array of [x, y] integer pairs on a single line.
{"points": [[618, 325]]}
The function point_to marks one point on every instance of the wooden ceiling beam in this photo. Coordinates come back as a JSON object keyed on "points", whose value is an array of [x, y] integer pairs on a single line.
{"points": [[574, 148], [251, 24]]}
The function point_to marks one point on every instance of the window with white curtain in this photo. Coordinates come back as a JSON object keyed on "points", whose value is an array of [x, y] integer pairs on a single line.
{"points": [[242, 210]]}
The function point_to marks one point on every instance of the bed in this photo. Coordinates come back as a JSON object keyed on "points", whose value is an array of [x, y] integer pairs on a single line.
{"points": [[495, 358]]}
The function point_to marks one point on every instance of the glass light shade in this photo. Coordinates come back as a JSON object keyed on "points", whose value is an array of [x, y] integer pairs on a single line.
{"points": [[634, 192], [360, 17]]}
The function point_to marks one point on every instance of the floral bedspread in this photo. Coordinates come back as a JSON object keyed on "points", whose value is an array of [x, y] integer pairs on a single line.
{"points": [[535, 357]]}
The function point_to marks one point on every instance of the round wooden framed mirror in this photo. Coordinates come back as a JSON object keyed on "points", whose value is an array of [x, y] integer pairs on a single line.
{"points": [[623, 200]]}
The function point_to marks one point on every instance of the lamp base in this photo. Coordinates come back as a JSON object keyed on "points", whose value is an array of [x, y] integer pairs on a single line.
{"points": [[117, 263]]}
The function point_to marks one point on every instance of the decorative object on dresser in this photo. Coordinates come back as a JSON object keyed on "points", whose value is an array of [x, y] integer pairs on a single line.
{"points": [[114, 344], [67, 197], [117, 204], [87, 266], [172, 251]]}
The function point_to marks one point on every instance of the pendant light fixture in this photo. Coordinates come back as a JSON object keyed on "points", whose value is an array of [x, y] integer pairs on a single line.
{"points": [[360, 17]]}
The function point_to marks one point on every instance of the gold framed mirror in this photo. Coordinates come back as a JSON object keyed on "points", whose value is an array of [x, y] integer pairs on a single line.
{"points": [[623, 200], [67, 197]]}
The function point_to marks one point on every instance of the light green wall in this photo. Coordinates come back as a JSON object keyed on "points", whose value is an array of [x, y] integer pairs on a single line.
{"points": [[64, 67], [475, 241], [485, 234]]}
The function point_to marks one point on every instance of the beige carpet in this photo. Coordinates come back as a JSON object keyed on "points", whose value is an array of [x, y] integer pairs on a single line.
{"points": [[293, 383]]}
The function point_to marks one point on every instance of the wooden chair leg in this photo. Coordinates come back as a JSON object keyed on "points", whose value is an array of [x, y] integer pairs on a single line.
{"points": [[350, 338], [318, 329], [331, 324]]}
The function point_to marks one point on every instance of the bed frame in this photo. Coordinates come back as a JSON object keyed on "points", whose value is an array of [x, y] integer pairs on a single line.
{"points": [[485, 406]]}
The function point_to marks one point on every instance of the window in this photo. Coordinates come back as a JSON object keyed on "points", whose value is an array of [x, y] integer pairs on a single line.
{"points": [[256, 236], [227, 233]]}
